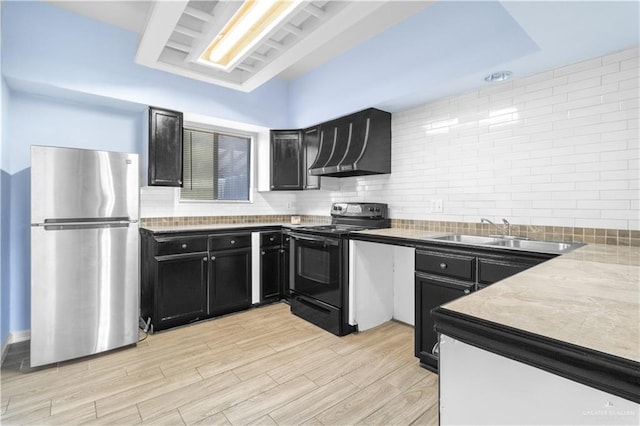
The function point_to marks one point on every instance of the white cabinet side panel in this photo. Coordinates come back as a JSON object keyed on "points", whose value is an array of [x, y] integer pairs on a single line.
{"points": [[403, 284], [481, 388], [255, 267], [371, 283]]}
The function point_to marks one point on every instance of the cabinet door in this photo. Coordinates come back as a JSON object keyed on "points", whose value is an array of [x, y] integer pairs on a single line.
{"points": [[285, 269], [310, 144], [431, 292], [230, 281], [165, 147], [181, 289], [286, 160], [270, 273]]}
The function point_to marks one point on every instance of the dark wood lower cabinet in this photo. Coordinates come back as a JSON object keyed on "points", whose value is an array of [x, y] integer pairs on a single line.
{"points": [[230, 281], [431, 292], [270, 273], [181, 289], [444, 274], [185, 278], [285, 268]]}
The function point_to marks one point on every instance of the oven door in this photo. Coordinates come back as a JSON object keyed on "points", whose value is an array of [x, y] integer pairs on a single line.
{"points": [[316, 268]]}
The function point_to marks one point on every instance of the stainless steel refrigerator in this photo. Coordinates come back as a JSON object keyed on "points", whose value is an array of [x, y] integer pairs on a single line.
{"points": [[84, 252]]}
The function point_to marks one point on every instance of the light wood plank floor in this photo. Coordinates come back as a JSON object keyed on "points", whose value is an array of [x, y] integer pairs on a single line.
{"points": [[264, 366]]}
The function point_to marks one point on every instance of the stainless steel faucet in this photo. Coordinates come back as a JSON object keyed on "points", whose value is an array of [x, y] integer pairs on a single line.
{"points": [[504, 229], [507, 227]]}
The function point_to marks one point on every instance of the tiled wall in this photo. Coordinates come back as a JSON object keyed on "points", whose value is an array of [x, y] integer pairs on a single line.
{"points": [[554, 149], [549, 233], [161, 202], [223, 220], [558, 149]]}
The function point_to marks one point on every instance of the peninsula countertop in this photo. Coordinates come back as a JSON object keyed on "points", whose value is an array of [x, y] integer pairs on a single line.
{"points": [[589, 297]]}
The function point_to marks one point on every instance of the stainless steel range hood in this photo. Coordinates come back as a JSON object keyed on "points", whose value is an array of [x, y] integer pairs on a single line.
{"points": [[355, 145]]}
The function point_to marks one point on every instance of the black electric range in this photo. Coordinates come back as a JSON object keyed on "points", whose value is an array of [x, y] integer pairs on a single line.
{"points": [[320, 263]]}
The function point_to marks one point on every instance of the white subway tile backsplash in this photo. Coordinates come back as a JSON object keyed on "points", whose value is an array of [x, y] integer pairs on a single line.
{"points": [[592, 91], [622, 75], [559, 148], [621, 55], [594, 72], [579, 67]]}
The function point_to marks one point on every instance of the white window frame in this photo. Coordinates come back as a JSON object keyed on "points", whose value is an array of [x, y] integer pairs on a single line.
{"points": [[210, 124]]}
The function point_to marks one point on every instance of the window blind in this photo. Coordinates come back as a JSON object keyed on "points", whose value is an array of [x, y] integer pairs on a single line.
{"points": [[216, 166]]}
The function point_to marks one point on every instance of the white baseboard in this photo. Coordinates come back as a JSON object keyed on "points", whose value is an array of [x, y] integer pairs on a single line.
{"points": [[15, 337]]}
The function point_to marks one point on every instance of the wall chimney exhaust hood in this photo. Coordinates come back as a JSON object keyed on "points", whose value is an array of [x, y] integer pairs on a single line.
{"points": [[355, 145]]}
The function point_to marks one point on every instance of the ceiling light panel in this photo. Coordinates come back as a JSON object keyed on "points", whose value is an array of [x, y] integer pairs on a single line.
{"points": [[251, 23]]}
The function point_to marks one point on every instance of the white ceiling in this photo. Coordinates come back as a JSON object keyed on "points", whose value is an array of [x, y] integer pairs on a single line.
{"points": [[174, 33]]}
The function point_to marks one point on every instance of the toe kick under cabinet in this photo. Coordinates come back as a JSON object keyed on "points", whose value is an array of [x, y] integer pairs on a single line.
{"points": [[186, 278]]}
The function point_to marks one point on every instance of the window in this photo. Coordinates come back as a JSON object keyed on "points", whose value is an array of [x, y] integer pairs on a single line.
{"points": [[216, 166]]}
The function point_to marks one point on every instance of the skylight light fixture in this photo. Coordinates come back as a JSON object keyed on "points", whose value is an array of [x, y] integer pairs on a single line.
{"points": [[248, 26]]}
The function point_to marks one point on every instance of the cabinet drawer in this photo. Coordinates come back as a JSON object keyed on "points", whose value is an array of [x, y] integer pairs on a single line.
{"points": [[180, 245], [270, 238], [491, 271], [230, 241], [450, 265]]}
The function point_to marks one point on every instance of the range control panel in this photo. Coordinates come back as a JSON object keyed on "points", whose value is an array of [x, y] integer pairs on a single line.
{"points": [[370, 210]]}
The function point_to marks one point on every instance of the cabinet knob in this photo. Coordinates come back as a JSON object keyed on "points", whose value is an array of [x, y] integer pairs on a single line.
{"points": [[213, 258], [287, 239], [184, 246], [443, 265], [271, 238], [467, 291], [204, 259], [263, 252], [281, 251], [232, 241]]}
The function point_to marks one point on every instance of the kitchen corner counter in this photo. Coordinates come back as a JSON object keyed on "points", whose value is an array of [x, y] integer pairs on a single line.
{"points": [[170, 229], [589, 297], [577, 315]]}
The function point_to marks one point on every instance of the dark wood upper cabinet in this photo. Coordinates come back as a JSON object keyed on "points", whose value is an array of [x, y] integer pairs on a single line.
{"points": [[310, 146], [286, 160], [165, 147], [292, 152]]}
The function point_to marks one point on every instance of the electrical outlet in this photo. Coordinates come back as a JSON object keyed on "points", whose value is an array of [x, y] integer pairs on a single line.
{"points": [[289, 205], [436, 206]]}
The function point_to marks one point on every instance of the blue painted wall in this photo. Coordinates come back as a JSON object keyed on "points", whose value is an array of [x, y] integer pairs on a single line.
{"points": [[94, 92], [4, 205], [49, 46], [39, 120], [396, 69]]}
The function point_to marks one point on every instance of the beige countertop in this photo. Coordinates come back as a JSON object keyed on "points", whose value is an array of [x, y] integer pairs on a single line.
{"points": [[410, 234], [589, 297], [218, 227]]}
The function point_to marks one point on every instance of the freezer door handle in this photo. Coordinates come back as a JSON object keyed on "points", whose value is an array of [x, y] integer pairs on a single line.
{"points": [[85, 225]]}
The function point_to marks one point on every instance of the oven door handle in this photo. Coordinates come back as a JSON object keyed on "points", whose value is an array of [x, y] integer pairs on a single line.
{"points": [[316, 239]]}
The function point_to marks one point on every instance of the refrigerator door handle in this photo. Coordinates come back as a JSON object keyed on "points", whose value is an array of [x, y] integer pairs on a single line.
{"points": [[85, 225]]}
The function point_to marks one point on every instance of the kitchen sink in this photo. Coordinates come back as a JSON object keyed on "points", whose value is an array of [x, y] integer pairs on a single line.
{"points": [[469, 239], [510, 242], [537, 246]]}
